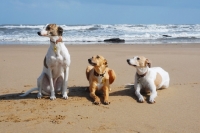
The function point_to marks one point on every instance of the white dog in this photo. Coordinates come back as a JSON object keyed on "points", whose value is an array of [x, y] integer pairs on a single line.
{"points": [[148, 79], [54, 76]]}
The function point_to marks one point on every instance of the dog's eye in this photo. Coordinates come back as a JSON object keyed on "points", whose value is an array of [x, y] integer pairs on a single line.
{"points": [[97, 57], [138, 58]]}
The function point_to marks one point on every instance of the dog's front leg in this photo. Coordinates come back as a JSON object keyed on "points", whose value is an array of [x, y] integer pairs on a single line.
{"points": [[153, 93], [93, 95], [137, 92], [64, 87], [39, 85], [106, 95], [52, 97]]}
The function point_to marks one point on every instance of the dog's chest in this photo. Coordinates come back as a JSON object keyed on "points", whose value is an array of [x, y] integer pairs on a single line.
{"points": [[57, 63], [152, 78], [57, 56], [100, 82], [57, 60], [144, 82]]}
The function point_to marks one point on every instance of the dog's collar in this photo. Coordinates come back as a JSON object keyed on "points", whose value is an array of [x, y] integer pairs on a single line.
{"points": [[57, 41], [97, 74], [141, 76]]}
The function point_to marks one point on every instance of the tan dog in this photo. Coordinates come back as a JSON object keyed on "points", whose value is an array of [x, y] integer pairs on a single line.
{"points": [[100, 77]]}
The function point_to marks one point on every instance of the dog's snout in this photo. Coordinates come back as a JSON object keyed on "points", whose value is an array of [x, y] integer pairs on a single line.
{"points": [[128, 61], [89, 60], [39, 33]]}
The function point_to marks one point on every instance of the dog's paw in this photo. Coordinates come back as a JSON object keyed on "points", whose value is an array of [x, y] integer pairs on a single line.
{"points": [[106, 102], [52, 97], [65, 95], [141, 99], [97, 101], [39, 95], [151, 100]]}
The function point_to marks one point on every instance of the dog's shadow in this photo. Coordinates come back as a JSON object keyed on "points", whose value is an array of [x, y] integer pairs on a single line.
{"points": [[15, 96], [75, 91], [79, 91], [129, 91]]}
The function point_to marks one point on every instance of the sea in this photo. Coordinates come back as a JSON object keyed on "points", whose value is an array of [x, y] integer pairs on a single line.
{"points": [[97, 33]]}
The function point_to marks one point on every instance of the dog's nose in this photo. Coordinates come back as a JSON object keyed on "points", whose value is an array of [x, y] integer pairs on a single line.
{"points": [[89, 61], [128, 60], [39, 33]]}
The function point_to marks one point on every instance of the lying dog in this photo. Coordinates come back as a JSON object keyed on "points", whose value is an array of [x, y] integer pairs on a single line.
{"points": [[54, 76], [148, 79], [100, 77]]}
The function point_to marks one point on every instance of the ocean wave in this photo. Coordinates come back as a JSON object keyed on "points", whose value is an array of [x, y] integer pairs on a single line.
{"points": [[21, 26], [98, 33]]}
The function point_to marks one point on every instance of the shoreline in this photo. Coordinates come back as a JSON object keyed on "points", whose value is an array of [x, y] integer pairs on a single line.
{"points": [[175, 110], [98, 43]]}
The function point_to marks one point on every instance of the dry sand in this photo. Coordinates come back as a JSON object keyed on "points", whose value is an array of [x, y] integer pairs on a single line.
{"points": [[177, 109]]}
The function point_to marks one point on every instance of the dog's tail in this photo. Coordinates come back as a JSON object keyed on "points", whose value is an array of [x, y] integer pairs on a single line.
{"points": [[29, 91], [112, 76], [88, 69]]}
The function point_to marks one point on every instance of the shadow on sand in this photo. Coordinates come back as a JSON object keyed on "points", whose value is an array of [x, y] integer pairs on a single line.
{"points": [[128, 90], [78, 91], [75, 91]]}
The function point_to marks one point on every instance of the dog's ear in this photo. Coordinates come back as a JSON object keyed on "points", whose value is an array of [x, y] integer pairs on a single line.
{"points": [[147, 62], [60, 31], [105, 63]]}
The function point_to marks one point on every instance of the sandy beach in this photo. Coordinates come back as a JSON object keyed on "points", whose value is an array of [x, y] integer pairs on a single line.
{"points": [[177, 109]]}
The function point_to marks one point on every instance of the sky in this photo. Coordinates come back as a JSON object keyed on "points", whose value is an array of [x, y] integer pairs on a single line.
{"points": [[81, 12]]}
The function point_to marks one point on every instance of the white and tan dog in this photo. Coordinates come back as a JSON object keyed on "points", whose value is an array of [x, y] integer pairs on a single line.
{"points": [[54, 76], [100, 77], [148, 79]]}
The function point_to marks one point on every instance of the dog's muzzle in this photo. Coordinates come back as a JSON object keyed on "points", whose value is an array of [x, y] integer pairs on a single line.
{"points": [[39, 33], [128, 61], [42, 33], [90, 62]]}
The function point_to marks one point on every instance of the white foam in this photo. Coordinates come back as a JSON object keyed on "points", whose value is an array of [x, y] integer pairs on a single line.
{"points": [[97, 33], [22, 26]]}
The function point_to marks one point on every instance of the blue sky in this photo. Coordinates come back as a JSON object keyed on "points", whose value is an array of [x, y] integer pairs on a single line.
{"points": [[74, 12]]}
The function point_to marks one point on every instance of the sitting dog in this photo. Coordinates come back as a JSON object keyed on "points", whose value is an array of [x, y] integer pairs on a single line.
{"points": [[54, 76], [100, 77], [148, 79]]}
